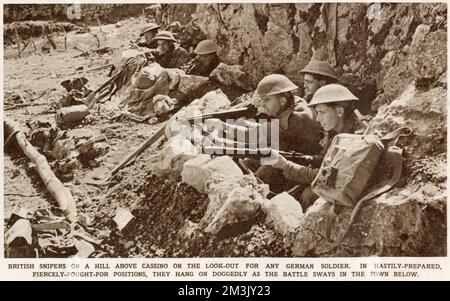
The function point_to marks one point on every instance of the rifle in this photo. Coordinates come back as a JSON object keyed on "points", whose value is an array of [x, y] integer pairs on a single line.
{"points": [[249, 111], [257, 153]]}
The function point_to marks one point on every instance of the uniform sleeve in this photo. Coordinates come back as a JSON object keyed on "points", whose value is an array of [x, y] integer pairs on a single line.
{"points": [[299, 173], [182, 57], [308, 130]]}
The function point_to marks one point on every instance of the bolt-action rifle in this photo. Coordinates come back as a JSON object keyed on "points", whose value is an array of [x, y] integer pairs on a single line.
{"points": [[249, 111], [257, 153]]}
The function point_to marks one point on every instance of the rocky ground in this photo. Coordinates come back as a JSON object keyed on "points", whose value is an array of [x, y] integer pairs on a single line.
{"points": [[170, 215]]}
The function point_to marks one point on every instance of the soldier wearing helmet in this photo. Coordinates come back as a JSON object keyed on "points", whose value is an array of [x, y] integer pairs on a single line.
{"points": [[148, 32], [174, 27], [168, 54], [334, 106], [317, 74], [206, 59], [298, 131]]}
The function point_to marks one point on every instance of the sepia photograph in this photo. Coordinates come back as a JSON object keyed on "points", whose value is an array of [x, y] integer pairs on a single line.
{"points": [[225, 130]]}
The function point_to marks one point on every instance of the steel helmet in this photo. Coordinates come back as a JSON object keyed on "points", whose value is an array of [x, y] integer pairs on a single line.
{"points": [[206, 47], [320, 68], [149, 27], [275, 84], [332, 93], [164, 35]]}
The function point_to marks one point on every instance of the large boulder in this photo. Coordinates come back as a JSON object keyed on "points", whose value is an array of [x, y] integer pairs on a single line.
{"points": [[234, 204], [424, 112], [232, 75], [211, 102], [283, 212], [168, 163], [399, 223], [196, 172]]}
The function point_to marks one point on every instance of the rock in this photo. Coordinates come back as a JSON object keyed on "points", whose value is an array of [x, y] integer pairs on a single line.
{"points": [[283, 212], [80, 134], [122, 218], [234, 204], [188, 229], [189, 83], [424, 112], [398, 223], [428, 54], [63, 148], [168, 163], [84, 248], [20, 229], [232, 75], [211, 102], [85, 219], [198, 171], [128, 245]]}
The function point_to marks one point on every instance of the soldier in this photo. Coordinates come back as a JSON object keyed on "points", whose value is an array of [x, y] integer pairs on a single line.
{"points": [[169, 55], [334, 106], [174, 27], [299, 131], [149, 32], [316, 75], [206, 60]]}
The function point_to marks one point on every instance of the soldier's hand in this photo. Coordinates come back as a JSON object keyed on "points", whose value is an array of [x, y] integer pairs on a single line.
{"points": [[280, 161]]}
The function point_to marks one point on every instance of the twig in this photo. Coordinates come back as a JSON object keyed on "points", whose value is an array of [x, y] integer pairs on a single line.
{"points": [[99, 24], [21, 105], [26, 45], [65, 39], [18, 42], [34, 45], [23, 195]]}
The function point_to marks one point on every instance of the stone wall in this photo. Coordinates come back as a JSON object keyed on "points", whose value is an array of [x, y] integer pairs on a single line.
{"points": [[370, 45]]}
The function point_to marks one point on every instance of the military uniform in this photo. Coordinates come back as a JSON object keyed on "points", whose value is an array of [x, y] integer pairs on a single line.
{"points": [[174, 58], [195, 67], [151, 45], [305, 175], [298, 131]]}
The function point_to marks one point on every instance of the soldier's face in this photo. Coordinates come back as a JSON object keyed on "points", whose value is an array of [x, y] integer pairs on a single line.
{"points": [[205, 59], [311, 84], [272, 105], [163, 46], [148, 36], [328, 116]]}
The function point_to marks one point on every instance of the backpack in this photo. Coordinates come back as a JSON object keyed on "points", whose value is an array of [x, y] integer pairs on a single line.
{"points": [[348, 166]]}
